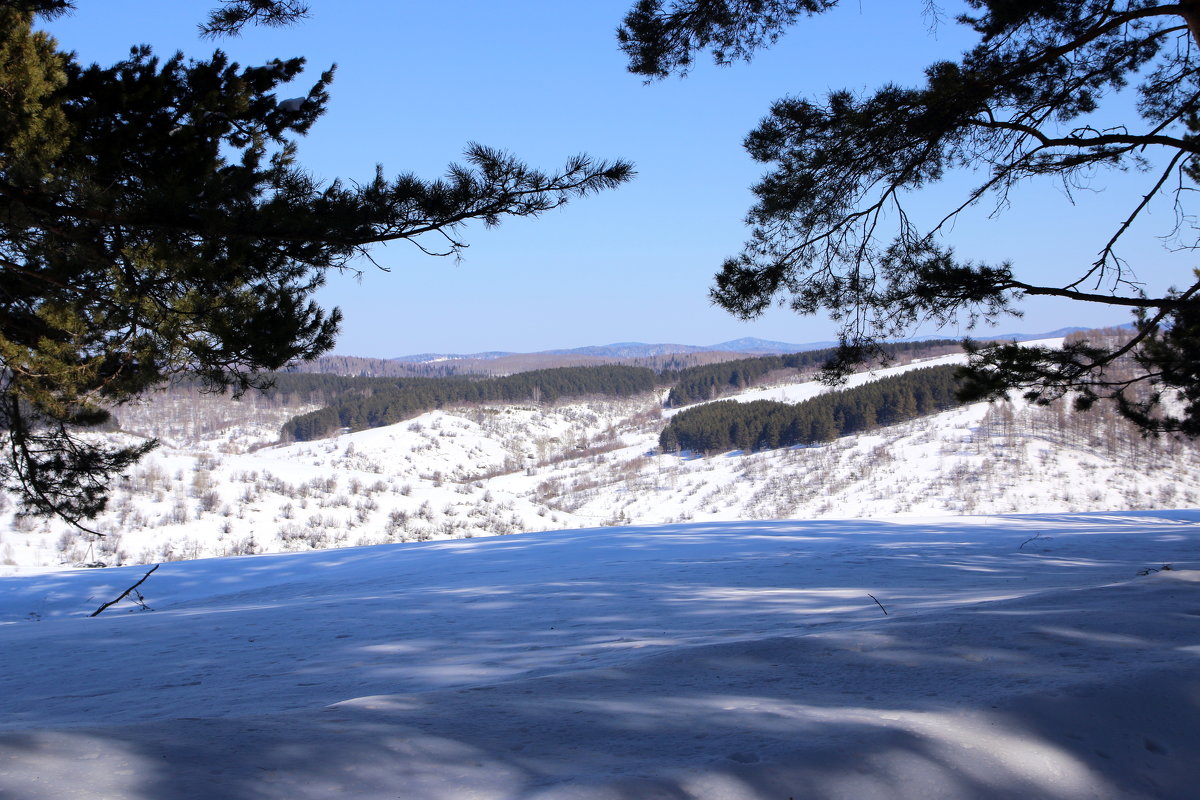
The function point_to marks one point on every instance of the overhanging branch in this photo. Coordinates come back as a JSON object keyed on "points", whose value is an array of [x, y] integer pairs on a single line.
{"points": [[1168, 303]]}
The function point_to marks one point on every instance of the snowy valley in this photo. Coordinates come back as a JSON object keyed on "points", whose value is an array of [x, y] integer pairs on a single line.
{"points": [[220, 485]]}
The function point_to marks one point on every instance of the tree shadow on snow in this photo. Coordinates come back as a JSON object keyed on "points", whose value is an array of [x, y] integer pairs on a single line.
{"points": [[698, 674]]}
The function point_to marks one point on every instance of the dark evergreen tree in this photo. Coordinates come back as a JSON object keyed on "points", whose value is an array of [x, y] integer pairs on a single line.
{"points": [[1174, 353], [822, 428], [154, 221], [1016, 107]]}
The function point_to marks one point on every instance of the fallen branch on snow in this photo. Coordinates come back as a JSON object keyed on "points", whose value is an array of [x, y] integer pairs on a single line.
{"points": [[1030, 539], [140, 600], [881, 608]]}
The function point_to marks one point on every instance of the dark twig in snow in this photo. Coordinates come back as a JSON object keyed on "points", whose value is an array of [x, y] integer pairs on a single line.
{"points": [[1030, 539], [141, 601], [881, 608]]}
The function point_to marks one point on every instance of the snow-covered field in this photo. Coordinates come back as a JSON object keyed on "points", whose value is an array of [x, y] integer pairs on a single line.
{"points": [[1042, 656]]}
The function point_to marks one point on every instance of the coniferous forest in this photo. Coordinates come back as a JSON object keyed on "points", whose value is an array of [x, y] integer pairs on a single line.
{"points": [[358, 403], [767, 424], [373, 403], [710, 381]]}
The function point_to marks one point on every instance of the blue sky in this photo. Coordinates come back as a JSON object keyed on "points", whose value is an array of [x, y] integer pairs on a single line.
{"points": [[545, 80]]}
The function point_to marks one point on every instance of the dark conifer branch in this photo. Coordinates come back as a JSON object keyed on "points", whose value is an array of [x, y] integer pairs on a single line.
{"points": [[155, 222], [1169, 303], [1018, 105], [1108, 252]]}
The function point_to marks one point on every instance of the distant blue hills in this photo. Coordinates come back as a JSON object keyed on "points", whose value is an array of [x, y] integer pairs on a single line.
{"points": [[748, 345]]}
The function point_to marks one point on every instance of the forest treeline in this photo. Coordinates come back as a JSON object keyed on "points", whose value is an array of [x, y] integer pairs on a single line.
{"points": [[357, 403], [381, 402], [710, 381], [767, 424]]}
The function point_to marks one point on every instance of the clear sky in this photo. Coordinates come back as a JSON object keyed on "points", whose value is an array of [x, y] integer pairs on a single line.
{"points": [[544, 79]]}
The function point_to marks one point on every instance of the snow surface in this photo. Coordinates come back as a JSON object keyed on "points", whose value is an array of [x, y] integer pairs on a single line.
{"points": [[1020, 656]]}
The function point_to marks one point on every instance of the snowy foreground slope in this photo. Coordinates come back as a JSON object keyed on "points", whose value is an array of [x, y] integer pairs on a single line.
{"points": [[1021, 656]]}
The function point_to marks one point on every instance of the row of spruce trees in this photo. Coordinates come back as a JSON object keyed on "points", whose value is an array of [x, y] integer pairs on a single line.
{"points": [[710, 381], [386, 402], [767, 424]]}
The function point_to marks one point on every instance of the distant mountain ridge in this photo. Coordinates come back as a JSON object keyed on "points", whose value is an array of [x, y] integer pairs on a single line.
{"points": [[427, 358], [659, 357], [749, 345]]}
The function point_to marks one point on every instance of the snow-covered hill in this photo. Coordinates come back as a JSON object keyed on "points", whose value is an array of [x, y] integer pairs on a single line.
{"points": [[1044, 656], [214, 489]]}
